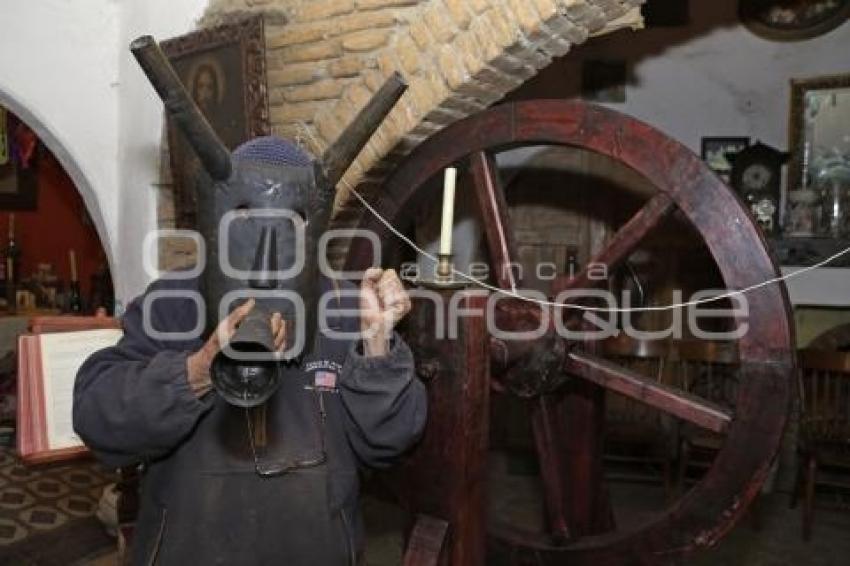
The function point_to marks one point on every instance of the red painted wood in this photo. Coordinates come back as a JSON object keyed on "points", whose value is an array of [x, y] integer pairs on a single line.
{"points": [[58, 224], [68, 323], [445, 478], [673, 401], [549, 431], [568, 435], [494, 218], [427, 543], [589, 509]]}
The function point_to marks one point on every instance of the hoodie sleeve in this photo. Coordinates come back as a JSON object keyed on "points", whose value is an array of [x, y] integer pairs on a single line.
{"points": [[385, 404], [132, 401]]}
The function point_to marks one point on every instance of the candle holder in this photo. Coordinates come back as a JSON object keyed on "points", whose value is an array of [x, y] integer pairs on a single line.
{"points": [[444, 268], [443, 275]]}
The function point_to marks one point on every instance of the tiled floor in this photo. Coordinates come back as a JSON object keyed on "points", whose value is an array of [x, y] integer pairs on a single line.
{"points": [[47, 512], [38, 499], [778, 541], [516, 498]]}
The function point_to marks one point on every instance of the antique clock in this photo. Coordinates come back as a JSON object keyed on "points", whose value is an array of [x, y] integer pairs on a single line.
{"points": [[793, 20], [756, 177]]}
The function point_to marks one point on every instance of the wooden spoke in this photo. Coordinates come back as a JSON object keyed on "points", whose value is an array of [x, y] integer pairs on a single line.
{"points": [[427, 543], [568, 436], [548, 428], [645, 390], [494, 218], [624, 242]]}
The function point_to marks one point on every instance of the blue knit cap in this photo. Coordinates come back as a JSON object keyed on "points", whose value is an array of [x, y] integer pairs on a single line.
{"points": [[272, 150]]}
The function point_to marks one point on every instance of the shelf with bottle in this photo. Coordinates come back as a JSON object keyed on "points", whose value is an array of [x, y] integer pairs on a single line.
{"points": [[74, 300]]}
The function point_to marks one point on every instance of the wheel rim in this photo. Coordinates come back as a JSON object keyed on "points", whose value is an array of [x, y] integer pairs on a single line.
{"points": [[713, 505]]}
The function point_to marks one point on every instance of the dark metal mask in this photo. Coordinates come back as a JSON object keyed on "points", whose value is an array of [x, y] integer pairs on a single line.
{"points": [[261, 211]]}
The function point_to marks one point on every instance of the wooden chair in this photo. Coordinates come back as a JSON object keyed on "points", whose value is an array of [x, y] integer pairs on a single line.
{"points": [[824, 440], [639, 440], [836, 339], [710, 370]]}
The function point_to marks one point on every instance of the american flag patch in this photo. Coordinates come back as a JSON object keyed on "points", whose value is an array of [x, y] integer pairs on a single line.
{"points": [[325, 380]]}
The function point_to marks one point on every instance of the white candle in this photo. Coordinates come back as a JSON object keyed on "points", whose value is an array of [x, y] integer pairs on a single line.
{"points": [[73, 259], [448, 211]]}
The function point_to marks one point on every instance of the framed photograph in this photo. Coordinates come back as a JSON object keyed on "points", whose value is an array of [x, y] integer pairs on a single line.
{"points": [[224, 70], [716, 151], [19, 149], [604, 80]]}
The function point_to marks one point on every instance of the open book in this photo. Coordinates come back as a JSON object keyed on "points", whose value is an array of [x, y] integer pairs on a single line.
{"points": [[47, 368]]}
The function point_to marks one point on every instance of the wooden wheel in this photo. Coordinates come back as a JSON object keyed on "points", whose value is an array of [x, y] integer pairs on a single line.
{"points": [[567, 416]]}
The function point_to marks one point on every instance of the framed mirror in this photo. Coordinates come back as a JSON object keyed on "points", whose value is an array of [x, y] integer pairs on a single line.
{"points": [[819, 172]]}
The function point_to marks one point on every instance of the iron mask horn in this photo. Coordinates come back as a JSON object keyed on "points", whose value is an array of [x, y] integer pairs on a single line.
{"points": [[275, 199]]}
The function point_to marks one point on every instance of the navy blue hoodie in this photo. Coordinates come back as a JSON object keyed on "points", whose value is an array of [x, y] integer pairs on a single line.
{"points": [[202, 501]]}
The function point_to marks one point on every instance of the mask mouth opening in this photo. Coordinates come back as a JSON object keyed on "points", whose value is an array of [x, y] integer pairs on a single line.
{"points": [[246, 373], [244, 383]]}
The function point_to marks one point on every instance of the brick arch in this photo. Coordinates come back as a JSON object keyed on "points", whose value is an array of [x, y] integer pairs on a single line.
{"points": [[326, 57]]}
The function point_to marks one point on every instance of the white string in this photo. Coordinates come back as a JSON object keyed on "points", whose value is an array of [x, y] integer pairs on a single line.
{"points": [[516, 295], [513, 293]]}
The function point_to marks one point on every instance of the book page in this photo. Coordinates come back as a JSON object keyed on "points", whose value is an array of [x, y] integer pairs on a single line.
{"points": [[62, 354]]}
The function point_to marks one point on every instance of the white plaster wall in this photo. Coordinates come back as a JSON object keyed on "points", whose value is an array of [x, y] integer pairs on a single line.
{"points": [[713, 78], [729, 81], [66, 70], [824, 287], [141, 123], [59, 73]]}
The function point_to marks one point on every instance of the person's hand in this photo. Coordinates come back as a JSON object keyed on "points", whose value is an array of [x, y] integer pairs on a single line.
{"points": [[198, 364], [279, 331], [383, 302]]}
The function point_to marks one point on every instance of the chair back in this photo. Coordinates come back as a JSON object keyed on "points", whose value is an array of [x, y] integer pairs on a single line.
{"points": [[825, 410], [648, 358], [707, 369]]}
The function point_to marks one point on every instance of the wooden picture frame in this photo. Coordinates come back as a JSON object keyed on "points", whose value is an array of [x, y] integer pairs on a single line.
{"points": [[224, 69], [796, 119], [18, 184]]}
